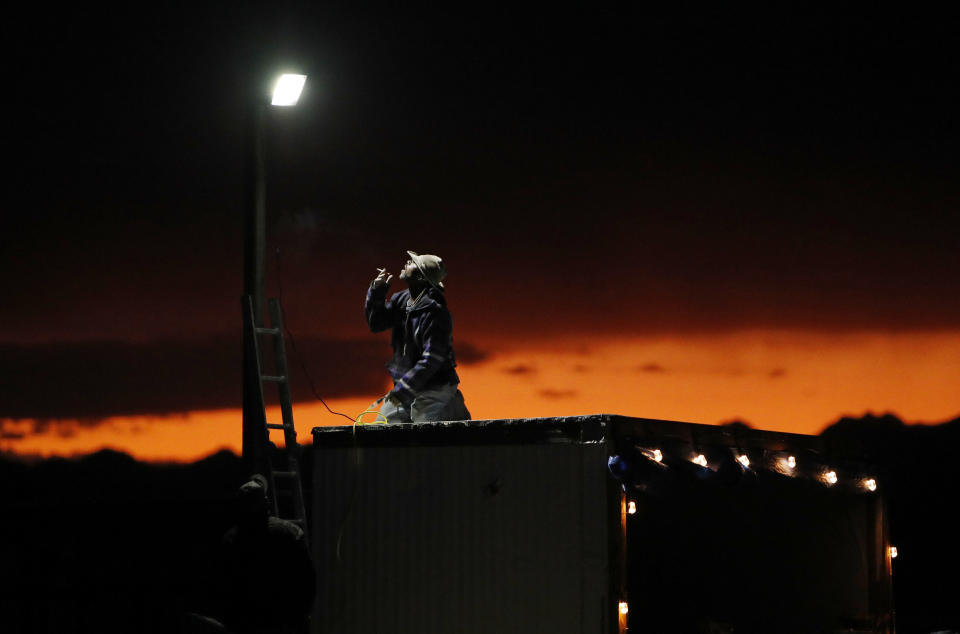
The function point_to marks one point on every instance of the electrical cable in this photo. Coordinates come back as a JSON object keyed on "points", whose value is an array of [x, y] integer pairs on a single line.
{"points": [[376, 421], [293, 346], [359, 464], [371, 409]]}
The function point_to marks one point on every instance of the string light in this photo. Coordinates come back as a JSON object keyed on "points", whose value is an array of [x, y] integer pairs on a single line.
{"points": [[653, 454], [893, 552], [623, 607], [786, 465], [631, 507]]}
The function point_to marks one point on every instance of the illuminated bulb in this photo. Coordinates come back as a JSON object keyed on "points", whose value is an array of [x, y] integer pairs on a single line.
{"points": [[700, 460], [623, 607], [871, 484], [744, 460], [830, 477], [631, 507], [893, 552], [657, 455], [791, 462], [287, 90]]}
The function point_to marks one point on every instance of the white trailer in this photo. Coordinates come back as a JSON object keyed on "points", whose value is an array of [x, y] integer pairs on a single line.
{"points": [[593, 525]]}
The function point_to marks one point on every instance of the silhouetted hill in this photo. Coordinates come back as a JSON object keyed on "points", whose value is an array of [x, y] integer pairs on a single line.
{"points": [[109, 476], [107, 543], [884, 438], [917, 475]]}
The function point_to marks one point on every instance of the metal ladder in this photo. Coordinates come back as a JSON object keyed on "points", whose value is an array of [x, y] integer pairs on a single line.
{"points": [[282, 465]]}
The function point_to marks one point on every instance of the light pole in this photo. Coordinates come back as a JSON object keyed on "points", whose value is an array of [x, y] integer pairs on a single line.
{"points": [[286, 92]]}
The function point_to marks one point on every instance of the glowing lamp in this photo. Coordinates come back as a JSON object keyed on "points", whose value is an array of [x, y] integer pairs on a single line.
{"points": [[657, 455], [830, 477], [744, 460], [700, 460], [870, 484], [286, 92], [631, 507], [893, 552], [791, 462], [623, 607]]}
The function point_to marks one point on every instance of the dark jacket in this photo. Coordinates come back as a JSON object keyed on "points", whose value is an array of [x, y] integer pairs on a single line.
{"points": [[267, 579], [422, 339]]}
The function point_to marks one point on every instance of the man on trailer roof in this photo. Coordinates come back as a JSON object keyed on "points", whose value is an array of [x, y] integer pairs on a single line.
{"points": [[425, 381]]}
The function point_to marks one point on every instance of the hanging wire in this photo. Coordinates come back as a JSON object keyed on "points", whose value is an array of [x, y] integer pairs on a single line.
{"points": [[357, 450], [293, 346]]}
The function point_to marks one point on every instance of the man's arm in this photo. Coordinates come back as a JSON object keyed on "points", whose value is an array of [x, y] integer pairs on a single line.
{"points": [[436, 335], [381, 314]]}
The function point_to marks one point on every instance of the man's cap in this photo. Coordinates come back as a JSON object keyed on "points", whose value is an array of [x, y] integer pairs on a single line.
{"points": [[431, 267]]}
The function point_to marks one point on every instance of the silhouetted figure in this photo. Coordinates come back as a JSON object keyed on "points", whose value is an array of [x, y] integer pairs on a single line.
{"points": [[423, 367], [268, 576]]}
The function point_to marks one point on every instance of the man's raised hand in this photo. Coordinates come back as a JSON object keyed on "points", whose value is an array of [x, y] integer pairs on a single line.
{"points": [[383, 278]]}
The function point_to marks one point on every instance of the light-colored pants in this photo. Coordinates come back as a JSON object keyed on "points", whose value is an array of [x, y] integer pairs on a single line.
{"points": [[442, 403]]}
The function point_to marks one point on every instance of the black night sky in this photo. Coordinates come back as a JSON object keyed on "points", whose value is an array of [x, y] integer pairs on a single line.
{"points": [[765, 165]]}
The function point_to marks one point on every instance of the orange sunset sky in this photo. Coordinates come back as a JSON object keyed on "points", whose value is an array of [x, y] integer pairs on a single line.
{"points": [[772, 379], [704, 217]]}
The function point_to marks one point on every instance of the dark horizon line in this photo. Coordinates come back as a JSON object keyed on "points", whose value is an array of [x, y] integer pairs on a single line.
{"points": [[868, 418]]}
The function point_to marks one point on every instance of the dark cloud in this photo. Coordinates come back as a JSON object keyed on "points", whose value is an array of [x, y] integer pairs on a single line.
{"points": [[469, 353], [550, 393], [520, 369], [90, 381], [736, 424], [651, 367]]}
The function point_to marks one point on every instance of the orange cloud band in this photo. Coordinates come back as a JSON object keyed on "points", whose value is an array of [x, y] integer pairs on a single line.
{"points": [[779, 380]]}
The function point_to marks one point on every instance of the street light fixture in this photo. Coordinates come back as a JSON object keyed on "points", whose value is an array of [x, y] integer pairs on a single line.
{"points": [[287, 90]]}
